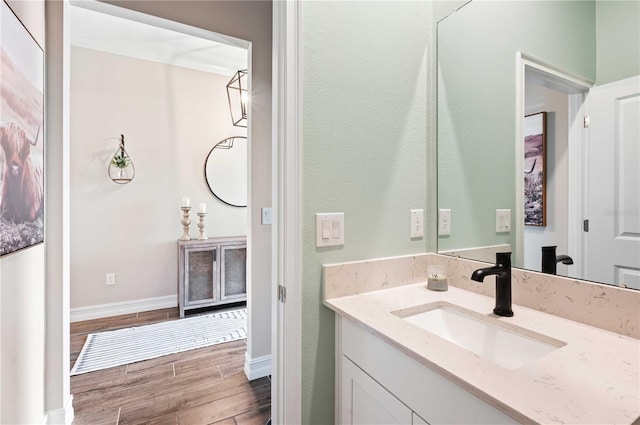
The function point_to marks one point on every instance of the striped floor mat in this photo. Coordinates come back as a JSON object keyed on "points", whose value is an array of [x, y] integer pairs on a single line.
{"points": [[114, 348]]}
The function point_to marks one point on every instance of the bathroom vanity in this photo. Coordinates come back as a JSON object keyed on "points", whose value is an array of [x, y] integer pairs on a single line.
{"points": [[395, 364], [381, 384]]}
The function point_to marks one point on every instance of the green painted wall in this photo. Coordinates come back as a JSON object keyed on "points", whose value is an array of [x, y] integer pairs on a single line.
{"points": [[365, 68], [618, 40], [476, 101]]}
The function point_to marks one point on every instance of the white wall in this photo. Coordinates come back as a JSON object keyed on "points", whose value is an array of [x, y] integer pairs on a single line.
{"points": [[171, 118], [556, 104], [22, 303], [23, 328]]}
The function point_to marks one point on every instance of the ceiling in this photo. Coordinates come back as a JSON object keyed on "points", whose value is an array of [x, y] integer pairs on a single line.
{"points": [[112, 34]]}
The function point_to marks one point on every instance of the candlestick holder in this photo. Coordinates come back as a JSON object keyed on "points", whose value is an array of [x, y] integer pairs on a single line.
{"points": [[186, 221], [202, 236]]}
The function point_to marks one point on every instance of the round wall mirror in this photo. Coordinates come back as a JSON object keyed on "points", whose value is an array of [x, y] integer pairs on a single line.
{"points": [[225, 171]]}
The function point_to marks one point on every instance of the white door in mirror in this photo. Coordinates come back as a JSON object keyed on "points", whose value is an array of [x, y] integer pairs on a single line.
{"points": [[613, 246]]}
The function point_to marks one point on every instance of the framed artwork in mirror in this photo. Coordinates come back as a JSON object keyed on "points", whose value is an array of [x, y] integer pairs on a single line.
{"points": [[21, 136], [535, 173]]}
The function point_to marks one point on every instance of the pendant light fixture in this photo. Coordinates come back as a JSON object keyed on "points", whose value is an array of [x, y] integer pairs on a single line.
{"points": [[238, 95]]}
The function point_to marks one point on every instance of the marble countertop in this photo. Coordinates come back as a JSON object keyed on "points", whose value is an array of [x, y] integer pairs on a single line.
{"points": [[593, 379]]}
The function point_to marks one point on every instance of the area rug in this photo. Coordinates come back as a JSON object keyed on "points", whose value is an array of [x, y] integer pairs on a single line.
{"points": [[115, 348]]}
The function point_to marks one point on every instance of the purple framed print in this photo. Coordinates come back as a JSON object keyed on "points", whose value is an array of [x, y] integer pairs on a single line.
{"points": [[21, 136], [535, 172]]}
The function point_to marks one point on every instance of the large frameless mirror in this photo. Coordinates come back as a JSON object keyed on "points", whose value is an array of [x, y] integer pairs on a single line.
{"points": [[496, 65], [225, 171]]}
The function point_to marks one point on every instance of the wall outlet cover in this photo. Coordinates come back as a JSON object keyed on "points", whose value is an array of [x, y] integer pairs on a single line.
{"points": [[444, 222], [416, 223]]}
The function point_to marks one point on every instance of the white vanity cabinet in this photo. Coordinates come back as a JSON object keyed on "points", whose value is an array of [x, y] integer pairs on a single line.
{"points": [[367, 402], [379, 384]]}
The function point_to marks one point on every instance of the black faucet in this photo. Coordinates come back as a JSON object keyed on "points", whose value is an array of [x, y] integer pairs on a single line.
{"points": [[550, 260], [502, 270]]}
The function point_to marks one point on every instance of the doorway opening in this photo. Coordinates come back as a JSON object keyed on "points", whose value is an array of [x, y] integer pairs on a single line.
{"points": [[561, 96], [162, 85]]}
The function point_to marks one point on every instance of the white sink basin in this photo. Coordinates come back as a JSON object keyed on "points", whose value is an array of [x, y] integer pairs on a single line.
{"points": [[509, 346]]}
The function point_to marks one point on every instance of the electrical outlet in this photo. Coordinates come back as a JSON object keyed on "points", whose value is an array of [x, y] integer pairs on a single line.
{"points": [[444, 222], [110, 279], [417, 223]]}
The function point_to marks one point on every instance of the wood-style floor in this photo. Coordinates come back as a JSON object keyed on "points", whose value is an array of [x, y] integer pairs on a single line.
{"points": [[197, 387]]}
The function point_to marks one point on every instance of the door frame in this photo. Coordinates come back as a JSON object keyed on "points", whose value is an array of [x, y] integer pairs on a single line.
{"points": [[287, 176], [577, 88], [287, 203]]}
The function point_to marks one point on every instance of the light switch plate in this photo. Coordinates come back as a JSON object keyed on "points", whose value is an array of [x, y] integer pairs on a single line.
{"points": [[266, 215], [333, 225], [444, 222], [503, 221], [417, 223]]}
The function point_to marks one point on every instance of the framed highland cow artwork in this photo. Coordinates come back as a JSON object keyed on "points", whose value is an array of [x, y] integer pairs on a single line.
{"points": [[535, 172], [21, 136]]}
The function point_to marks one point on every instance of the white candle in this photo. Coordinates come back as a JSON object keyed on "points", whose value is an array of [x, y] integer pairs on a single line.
{"points": [[202, 208], [186, 202]]}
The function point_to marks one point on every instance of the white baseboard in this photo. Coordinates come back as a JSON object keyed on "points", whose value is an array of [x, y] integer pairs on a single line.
{"points": [[124, 307], [62, 416], [258, 367]]}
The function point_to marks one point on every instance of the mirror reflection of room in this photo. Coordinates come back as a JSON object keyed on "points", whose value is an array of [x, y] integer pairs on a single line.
{"points": [[553, 169], [587, 57]]}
